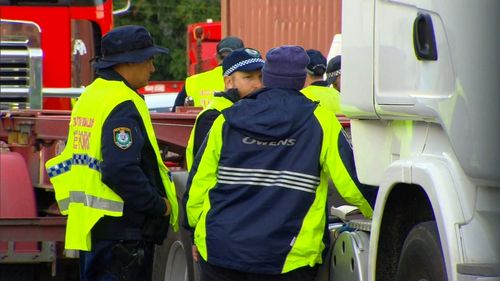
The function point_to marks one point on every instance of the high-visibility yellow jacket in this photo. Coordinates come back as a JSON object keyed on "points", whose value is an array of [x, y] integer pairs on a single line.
{"points": [[75, 173], [328, 97], [257, 191], [201, 87], [218, 103]]}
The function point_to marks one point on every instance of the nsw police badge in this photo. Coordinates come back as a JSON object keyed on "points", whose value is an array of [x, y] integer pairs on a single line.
{"points": [[122, 137]]}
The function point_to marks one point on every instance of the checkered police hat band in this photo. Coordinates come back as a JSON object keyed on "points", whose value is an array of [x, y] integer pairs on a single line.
{"points": [[241, 64], [333, 74]]}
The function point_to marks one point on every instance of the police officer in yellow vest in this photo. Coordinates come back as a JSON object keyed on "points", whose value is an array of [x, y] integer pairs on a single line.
{"points": [[242, 76], [257, 191], [316, 89], [201, 87], [110, 179]]}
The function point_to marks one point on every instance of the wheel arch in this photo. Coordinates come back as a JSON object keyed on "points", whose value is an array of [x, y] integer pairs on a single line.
{"points": [[406, 206], [414, 192]]}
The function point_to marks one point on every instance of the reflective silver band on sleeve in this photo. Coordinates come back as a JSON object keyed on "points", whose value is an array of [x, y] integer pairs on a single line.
{"points": [[90, 201]]}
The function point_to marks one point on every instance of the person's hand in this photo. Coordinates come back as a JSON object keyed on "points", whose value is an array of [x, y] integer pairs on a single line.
{"points": [[194, 252], [169, 209]]}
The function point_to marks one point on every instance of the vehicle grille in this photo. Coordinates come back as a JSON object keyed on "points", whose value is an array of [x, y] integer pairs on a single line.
{"points": [[14, 66], [20, 75]]}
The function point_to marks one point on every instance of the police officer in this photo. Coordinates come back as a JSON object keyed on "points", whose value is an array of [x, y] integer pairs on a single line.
{"points": [[110, 179], [201, 87], [257, 190], [242, 75], [333, 75], [316, 89]]}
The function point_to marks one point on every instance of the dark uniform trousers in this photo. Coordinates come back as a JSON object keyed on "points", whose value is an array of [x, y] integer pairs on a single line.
{"points": [[215, 273], [112, 260]]}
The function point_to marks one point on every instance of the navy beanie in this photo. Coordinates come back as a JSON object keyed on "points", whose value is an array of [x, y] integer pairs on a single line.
{"points": [[285, 67]]}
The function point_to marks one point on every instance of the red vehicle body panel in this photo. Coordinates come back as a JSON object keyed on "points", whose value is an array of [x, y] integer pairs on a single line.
{"points": [[55, 24], [17, 198], [210, 37], [19, 221], [18, 187]]}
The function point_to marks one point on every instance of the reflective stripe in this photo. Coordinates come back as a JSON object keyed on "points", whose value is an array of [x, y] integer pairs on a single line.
{"points": [[84, 159], [90, 201], [78, 159], [270, 171], [303, 182], [333, 74], [58, 169], [262, 177]]}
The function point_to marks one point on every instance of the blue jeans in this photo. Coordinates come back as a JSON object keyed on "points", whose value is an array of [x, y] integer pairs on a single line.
{"points": [[100, 263]]}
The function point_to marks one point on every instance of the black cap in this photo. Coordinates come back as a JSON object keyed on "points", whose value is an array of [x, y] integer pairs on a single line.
{"points": [[333, 69], [317, 63], [129, 43], [245, 60], [229, 44]]}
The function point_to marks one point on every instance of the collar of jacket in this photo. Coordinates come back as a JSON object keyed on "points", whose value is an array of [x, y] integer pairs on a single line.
{"points": [[231, 94], [110, 74]]}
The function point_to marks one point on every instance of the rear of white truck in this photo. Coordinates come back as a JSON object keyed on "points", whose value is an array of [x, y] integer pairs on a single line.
{"points": [[419, 82]]}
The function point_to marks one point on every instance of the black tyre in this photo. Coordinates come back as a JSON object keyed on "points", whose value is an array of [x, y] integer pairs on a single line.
{"points": [[422, 257], [173, 260]]}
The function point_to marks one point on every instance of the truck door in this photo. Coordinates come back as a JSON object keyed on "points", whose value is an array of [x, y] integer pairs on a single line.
{"points": [[357, 58], [412, 65]]}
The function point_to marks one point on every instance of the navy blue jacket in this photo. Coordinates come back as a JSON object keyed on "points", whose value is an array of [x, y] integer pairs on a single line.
{"points": [[264, 169]]}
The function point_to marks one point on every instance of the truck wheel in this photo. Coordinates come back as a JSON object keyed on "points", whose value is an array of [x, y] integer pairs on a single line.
{"points": [[422, 257], [173, 260]]}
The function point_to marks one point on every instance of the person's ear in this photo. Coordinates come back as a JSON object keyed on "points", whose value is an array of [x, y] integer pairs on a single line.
{"points": [[228, 82]]}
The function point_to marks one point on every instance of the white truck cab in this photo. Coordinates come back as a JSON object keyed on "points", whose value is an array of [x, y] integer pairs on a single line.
{"points": [[419, 84]]}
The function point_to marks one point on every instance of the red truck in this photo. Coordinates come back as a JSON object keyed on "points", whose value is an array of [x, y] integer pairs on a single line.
{"points": [[202, 39], [201, 48], [45, 50]]}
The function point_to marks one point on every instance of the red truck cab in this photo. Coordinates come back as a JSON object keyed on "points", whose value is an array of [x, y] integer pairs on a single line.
{"points": [[202, 39], [67, 33]]}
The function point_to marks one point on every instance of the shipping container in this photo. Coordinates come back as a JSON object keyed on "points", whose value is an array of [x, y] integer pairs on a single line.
{"points": [[264, 24]]}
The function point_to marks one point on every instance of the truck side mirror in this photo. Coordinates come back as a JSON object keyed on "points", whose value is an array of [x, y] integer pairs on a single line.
{"points": [[124, 10]]}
